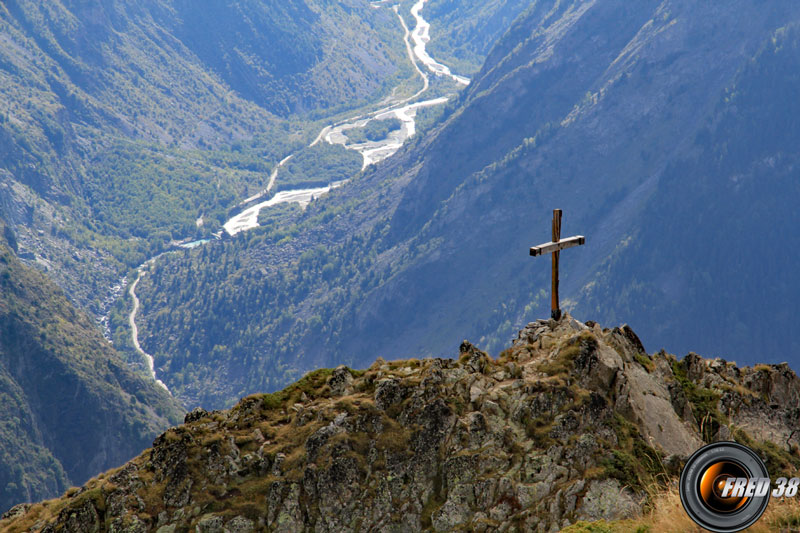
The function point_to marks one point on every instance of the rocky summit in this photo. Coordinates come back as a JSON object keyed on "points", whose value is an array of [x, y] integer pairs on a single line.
{"points": [[572, 422]]}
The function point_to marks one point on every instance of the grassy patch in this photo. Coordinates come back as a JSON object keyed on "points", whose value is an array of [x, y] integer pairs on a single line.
{"points": [[435, 501], [538, 430], [313, 385], [602, 526], [704, 403], [779, 462], [645, 361], [564, 361], [633, 461], [394, 437]]}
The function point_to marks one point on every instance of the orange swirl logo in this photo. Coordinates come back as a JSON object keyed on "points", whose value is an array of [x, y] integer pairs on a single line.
{"points": [[713, 483]]}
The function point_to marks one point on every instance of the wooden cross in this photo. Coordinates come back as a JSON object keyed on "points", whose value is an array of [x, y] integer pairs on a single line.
{"points": [[555, 247]]}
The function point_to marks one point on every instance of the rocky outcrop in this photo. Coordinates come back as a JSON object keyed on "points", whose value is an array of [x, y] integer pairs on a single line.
{"points": [[573, 422]]}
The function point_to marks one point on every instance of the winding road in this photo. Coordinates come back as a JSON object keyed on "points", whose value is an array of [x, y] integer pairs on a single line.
{"points": [[372, 152]]}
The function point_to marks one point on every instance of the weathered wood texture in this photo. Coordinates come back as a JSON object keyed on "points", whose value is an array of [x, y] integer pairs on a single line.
{"points": [[548, 247]]}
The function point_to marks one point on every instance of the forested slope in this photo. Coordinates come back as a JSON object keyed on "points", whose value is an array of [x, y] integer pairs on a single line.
{"points": [[464, 32], [123, 123], [69, 406], [587, 106]]}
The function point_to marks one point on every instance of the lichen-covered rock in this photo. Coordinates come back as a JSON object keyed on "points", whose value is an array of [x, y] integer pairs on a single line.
{"points": [[194, 415], [240, 524], [388, 393], [210, 524], [572, 423], [341, 381], [82, 518], [607, 500], [14, 512]]}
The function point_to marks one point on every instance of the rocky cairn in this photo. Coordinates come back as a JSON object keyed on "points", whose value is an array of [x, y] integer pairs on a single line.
{"points": [[573, 422]]}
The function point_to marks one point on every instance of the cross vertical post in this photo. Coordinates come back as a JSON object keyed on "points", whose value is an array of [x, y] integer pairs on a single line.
{"points": [[555, 310], [555, 248]]}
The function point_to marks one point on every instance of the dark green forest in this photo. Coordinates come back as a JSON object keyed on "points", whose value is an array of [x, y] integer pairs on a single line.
{"points": [[319, 165], [375, 130]]}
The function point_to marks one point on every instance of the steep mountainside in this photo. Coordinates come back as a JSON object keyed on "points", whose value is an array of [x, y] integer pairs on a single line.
{"points": [[730, 202], [573, 422], [69, 406], [123, 123], [662, 128]]}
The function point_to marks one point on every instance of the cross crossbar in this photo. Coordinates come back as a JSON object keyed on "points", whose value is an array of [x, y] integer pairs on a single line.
{"points": [[550, 247]]}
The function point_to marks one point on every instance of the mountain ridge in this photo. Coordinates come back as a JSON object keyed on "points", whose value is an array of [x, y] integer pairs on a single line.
{"points": [[573, 422]]}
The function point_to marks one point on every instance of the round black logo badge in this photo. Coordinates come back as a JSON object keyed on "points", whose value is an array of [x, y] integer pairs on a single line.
{"points": [[725, 487]]}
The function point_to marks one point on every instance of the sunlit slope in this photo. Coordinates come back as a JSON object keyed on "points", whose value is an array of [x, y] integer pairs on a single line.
{"points": [[123, 123]]}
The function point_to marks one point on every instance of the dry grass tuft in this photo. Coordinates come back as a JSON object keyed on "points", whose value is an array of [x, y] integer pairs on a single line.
{"points": [[667, 516]]}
